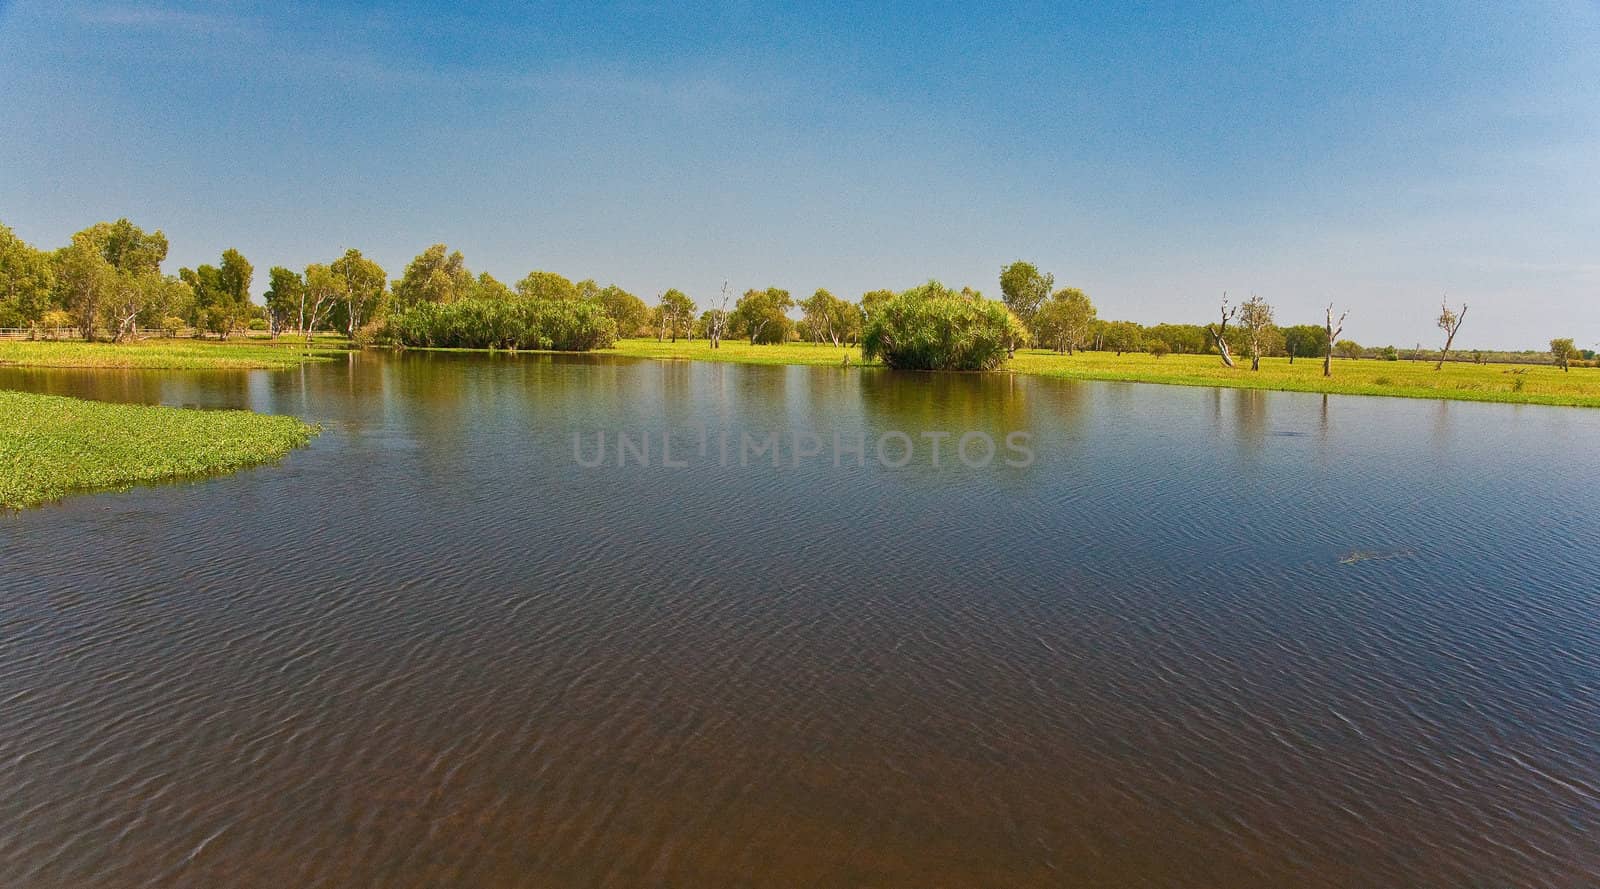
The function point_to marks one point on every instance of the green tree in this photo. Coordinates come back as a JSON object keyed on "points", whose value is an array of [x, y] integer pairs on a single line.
{"points": [[1122, 336], [1348, 349], [1302, 341], [436, 276], [763, 316], [829, 317], [1064, 323], [286, 292], [934, 328], [1564, 350], [546, 285], [627, 310], [489, 289], [221, 293], [1024, 290], [109, 274], [324, 292], [674, 314], [27, 279], [366, 286]]}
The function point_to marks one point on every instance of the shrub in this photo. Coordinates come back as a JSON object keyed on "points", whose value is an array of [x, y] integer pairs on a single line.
{"points": [[934, 328], [558, 325], [1390, 353], [1159, 348]]}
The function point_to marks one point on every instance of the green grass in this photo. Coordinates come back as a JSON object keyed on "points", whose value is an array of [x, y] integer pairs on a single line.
{"points": [[52, 446], [165, 354], [1512, 384]]}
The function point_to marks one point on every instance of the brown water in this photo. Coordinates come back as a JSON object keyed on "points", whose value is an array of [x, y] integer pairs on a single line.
{"points": [[433, 650]]}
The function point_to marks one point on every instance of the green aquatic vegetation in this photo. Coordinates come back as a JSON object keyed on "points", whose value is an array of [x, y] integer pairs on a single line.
{"points": [[162, 354], [52, 446]]}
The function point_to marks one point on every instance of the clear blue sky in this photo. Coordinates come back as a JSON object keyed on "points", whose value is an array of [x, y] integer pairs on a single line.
{"points": [[1377, 155]]}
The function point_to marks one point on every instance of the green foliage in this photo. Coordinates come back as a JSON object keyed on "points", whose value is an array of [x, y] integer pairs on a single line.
{"points": [[435, 276], [488, 288], [186, 354], [52, 446], [762, 315], [559, 325], [365, 290], [1304, 340], [1024, 290], [1122, 336], [1563, 350], [628, 311], [1065, 321], [933, 328], [111, 274], [27, 279], [674, 315], [1389, 353], [1347, 349], [1159, 348], [284, 295], [829, 318], [546, 286], [1184, 339]]}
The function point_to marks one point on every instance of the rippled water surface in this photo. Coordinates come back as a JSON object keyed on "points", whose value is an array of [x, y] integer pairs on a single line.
{"points": [[433, 650]]}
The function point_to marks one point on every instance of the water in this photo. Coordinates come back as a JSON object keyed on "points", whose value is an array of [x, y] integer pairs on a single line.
{"points": [[433, 650]]}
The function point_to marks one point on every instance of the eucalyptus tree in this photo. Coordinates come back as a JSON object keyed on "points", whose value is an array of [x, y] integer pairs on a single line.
{"points": [[1564, 350], [1064, 322], [1255, 319], [674, 313], [488, 288], [365, 286], [1122, 336], [539, 285], [1024, 289], [627, 310], [435, 275], [285, 297], [763, 315], [829, 316], [717, 319], [26, 281], [110, 274], [1348, 349], [1449, 322], [324, 291], [221, 293]]}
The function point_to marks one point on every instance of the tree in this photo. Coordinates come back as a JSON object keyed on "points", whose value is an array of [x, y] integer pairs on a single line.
{"points": [[1449, 322], [828, 316], [1122, 336], [763, 315], [1255, 319], [1065, 321], [1159, 348], [83, 279], [934, 328], [1219, 333], [1184, 339], [718, 318], [546, 285], [1331, 330], [628, 311], [1348, 349], [1302, 341], [26, 281], [1024, 289], [109, 274], [435, 276], [1564, 351], [285, 298], [221, 293], [675, 313], [365, 288], [324, 290], [489, 289]]}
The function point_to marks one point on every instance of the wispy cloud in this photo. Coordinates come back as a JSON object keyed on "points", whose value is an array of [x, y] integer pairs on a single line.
{"points": [[162, 17]]}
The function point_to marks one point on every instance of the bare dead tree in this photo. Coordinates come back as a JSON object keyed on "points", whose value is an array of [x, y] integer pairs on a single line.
{"points": [[719, 319], [1449, 322], [1333, 329], [1218, 332]]}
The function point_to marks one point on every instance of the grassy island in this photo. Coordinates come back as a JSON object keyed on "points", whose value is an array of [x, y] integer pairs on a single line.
{"points": [[52, 446], [167, 354]]}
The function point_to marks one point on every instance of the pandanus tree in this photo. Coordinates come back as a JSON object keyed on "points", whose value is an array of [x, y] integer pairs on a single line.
{"points": [[934, 328]]}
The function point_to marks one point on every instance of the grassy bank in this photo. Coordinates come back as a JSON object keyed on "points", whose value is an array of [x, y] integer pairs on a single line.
{"points": [[52, 446], [163, 354], [1512, 384]]}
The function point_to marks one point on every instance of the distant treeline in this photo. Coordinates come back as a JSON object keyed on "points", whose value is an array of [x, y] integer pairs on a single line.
{"points": [[108, 283]]}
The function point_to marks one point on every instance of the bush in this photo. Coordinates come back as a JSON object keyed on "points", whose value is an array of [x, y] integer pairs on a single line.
{"points": [[558, 325], [1159, 348], [1390, 353], [934, 328]]}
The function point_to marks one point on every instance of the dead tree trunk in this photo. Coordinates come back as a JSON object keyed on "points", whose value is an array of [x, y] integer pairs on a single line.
{"points": [[1219, 331], [1333, 331], [1449, 322]]}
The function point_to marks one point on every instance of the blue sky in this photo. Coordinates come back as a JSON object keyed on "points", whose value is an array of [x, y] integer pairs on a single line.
{"points": [[1375, 155]]}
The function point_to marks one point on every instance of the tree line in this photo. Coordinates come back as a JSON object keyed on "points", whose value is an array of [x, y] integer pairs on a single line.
{"points": [[108, 283]]}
